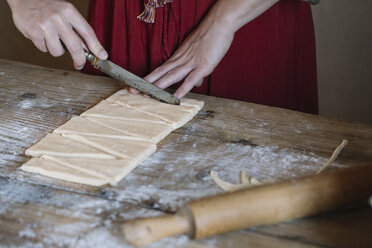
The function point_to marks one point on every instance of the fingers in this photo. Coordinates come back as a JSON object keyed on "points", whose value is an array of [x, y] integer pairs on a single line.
{"points": [[54, 45], [195, 78], [74, 46], [40, 44], [161, 71], [133, 91], [88, 35], [174, 76], [48, 22]]}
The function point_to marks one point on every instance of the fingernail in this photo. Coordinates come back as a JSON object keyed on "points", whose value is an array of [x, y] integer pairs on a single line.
{"points": [[103, 54]]}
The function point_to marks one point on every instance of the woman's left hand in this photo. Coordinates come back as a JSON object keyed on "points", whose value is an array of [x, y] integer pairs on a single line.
{"points": [[195, 59], [205, 47]]}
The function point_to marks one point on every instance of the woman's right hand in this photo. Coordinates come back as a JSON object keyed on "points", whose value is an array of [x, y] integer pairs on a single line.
{"points": [[46, 22]]}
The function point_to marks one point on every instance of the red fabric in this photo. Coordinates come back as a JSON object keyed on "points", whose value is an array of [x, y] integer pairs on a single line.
{"points": [[271, 61]]}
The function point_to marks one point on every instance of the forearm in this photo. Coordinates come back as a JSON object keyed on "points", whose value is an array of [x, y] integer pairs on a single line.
{"points": [[233, 14]]}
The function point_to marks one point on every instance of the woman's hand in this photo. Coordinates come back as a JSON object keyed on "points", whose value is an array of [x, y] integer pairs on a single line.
{"points": [[205, 47], [195, 59], [46, 22]]}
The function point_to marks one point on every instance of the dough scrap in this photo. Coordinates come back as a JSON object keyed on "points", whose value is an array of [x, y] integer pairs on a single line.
{"points": [[107, 142], [334, 155], [246, 181]]}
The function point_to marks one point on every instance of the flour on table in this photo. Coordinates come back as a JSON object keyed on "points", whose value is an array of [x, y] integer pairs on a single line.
{"points": [[107, 142]]}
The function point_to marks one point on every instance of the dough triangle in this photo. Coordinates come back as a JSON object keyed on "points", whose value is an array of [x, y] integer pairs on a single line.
{"points": [[175, 115], [56, 170], [151, 132], [106, 109], [113, 170], [83, 126], [56, 145], [120, 148]]}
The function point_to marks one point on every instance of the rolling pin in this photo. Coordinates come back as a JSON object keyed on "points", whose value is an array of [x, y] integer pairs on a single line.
{"points": [[267, 204]]}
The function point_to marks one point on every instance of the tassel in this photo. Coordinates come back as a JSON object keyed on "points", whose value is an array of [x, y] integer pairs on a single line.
{"points": [[148, 14]]}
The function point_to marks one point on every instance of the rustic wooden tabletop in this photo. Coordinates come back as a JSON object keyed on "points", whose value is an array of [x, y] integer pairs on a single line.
{"points": [[226, 136]]}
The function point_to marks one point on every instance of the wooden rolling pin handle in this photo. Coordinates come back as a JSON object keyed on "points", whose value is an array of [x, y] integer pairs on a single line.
{"points": [[260, 205], [278, 202], [143, 231]]}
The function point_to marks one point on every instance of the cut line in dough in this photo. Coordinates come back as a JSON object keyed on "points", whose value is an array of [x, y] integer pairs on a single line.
{"points": [[172, 114], [120, 148], [55, 170], [56, 145], [110, 170], [121, 112], [150, 132], [82, 126]]}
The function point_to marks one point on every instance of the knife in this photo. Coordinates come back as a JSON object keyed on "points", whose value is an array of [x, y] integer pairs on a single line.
{"points": [[130, 79]]}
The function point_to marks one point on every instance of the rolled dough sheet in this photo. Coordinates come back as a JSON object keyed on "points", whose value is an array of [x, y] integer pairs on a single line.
{"points": [[150, 132], [120, 148], [107, 142], [117, 111], [83, 126], [56, 170], [176, 116], [56, 145]]}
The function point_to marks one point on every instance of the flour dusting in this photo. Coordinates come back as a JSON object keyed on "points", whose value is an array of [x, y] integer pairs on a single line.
{"points": [[165, 184]]}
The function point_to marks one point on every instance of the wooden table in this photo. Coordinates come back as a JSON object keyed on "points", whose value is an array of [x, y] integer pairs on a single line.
{"points": [[227, 136]]}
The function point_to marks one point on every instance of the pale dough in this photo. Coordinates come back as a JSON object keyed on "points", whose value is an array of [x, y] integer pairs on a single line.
{"points": [[176, 116], [246, 181], [151, 132], [120, 148], [56, 145], [55, 170], [90, 171], [83, 126], [111, 170], [117, 111], [108, 141]]}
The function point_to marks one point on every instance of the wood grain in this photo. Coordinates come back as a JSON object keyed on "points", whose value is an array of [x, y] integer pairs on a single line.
{"points": [[227, 136]]}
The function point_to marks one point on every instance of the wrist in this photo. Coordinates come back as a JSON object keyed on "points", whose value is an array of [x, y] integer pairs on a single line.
{"points": [[226, 15], [220, 20], [233, 14]]}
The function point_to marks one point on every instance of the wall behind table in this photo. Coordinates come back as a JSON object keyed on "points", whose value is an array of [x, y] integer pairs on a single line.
{"points": [[14, 46], [344, 55], [344, 50]]}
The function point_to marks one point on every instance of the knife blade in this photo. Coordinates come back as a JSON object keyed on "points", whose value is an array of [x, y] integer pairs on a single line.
{"points": [[132, 80]]}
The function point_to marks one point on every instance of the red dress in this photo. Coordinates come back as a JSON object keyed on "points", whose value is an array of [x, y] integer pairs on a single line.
{"points": [[271, 61]]}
